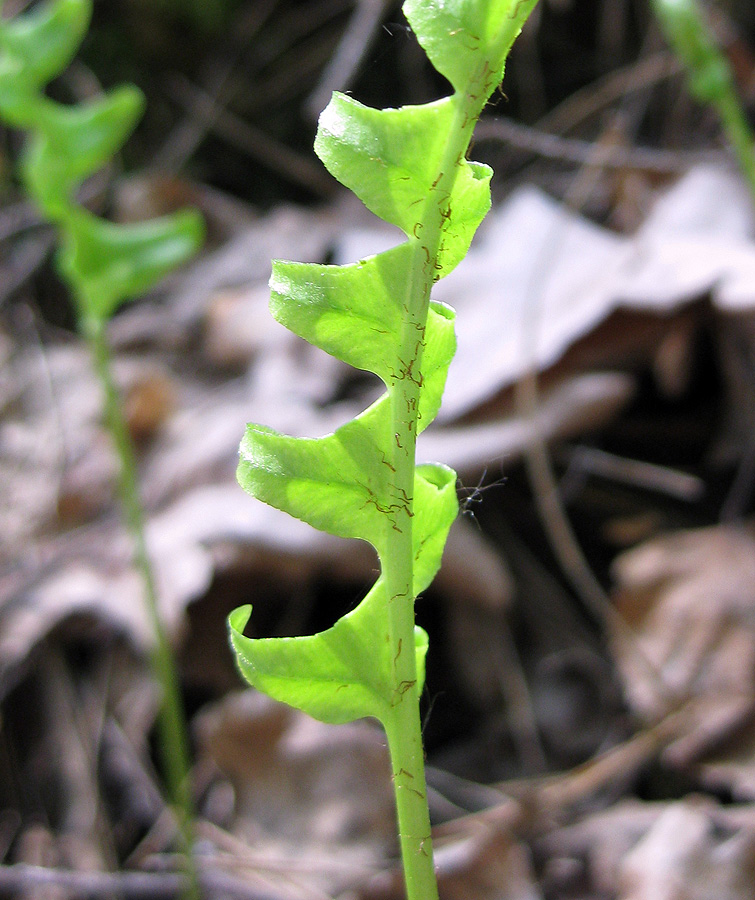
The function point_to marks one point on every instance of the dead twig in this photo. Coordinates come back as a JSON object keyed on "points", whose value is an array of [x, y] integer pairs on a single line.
{"points": [[345, 62], [28, 255], [188, 134], [582, 153], [643, 475], [254, 141], [592, 99], [18, 217], [23, 879], [555, 520]]}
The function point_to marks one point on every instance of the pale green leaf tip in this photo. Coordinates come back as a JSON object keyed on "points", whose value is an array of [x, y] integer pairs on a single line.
{"points": [[238, 619]]}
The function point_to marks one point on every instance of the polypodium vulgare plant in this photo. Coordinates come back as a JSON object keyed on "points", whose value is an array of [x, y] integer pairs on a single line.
{"points": [[409, 166], [711, 78], [103, 263]]}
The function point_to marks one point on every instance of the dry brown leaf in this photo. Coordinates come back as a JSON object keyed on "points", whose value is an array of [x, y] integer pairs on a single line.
{"points": [[731, 767], [693, 849], [540, 277], [303, 788], [688, 599], [588, 853], [684, 856], [573, 406], [488, 863]]}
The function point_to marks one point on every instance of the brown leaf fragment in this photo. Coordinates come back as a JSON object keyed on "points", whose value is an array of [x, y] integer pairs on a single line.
{"points": [[148, 403], [590, 851], [688, 599], [489, 863], [684, 856], [303, 788], [238, 326], [693, 849], [732, 765]]}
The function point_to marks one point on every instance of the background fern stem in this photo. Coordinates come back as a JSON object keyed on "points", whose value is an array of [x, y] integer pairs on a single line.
{"points": [[711, 77], [739, 133], [172, 725]]}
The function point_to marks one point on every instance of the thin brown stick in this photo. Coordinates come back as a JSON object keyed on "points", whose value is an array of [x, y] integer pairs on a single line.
{"points": [[638, 473], [520, 713], [17, 217], [555, 520], [253, 141], [592, 99], [347, 58], [26, 879], [188, 134], [582, 153]]}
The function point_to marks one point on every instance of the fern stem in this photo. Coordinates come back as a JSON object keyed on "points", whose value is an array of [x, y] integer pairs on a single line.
{"points": [[403, 727], [405, 743], [740, 135], [172, 725], [711, 77]]}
